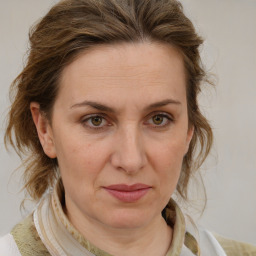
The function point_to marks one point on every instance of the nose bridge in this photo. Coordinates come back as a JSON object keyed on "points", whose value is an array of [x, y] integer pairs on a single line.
{"points": [[129, 154], [131, 140]]}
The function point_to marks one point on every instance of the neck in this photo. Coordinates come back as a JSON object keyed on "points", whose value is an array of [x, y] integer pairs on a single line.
{"points": [[153, 239]]}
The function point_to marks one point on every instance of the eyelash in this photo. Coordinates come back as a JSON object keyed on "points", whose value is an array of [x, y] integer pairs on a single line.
{"points": [[168, 120]]}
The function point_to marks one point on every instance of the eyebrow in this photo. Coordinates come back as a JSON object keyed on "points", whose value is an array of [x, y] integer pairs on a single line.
{"points": [[105, 108], [162, 104], [95, 105]]}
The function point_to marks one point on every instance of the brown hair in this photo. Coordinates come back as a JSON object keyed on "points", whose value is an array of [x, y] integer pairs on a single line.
{"points": [[72, 26]]}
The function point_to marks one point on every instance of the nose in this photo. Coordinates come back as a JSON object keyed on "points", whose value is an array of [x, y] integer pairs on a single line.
{"points": [[129, 153]]}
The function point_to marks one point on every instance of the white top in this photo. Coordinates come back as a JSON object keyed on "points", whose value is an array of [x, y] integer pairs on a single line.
{"points": [[8, 246]]}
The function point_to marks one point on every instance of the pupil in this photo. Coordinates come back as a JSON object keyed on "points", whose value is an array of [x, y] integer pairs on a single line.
{"points": [[97, 120], [158, 119]]}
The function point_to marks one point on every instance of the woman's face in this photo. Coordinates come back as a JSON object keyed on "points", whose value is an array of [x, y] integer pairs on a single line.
{"points": [[120, 131]]}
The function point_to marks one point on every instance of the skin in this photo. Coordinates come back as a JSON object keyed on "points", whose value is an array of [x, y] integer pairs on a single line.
{"points": [[120, 117]]}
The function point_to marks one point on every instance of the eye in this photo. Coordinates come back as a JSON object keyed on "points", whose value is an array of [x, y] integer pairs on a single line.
{"points": [[160, 120], [95, 122]]}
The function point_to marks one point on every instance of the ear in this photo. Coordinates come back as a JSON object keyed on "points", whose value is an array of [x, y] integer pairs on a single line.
{"points": [[44, 130], [190, 134]]}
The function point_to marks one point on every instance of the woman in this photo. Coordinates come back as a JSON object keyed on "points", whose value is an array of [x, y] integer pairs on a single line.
{"points": [[107, 108]]}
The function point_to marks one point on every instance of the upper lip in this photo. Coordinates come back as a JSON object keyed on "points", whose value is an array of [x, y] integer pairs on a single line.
{"points": [[127, 188]]}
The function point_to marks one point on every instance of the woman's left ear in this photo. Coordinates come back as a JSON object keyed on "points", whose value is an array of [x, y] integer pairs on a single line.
{"points": [[190, 134], [44, 130]]}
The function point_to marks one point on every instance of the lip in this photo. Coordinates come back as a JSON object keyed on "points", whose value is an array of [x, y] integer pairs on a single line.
{"points": [[128, 193]]}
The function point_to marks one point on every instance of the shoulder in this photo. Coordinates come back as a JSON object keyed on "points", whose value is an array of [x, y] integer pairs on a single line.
{"points": [[235, 248], [27, 240], [8, 247], [213, 244]]}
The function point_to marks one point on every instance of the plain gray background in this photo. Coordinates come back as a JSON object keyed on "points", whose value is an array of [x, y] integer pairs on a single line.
{"points": [[229, 51]]}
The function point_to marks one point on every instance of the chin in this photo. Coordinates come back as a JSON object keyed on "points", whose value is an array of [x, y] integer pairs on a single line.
{"points": [[128, 219]]}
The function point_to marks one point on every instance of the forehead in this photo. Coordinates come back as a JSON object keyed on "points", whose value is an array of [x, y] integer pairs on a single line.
{"points": [[130, 68]]}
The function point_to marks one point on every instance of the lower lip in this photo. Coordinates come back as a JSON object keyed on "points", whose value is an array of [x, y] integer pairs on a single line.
{"points": [[128, 196]]}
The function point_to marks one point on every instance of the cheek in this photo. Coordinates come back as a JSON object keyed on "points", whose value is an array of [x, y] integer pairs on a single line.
{"points": [[168, 162], [80, 159], [80, 170], [169, 154]]}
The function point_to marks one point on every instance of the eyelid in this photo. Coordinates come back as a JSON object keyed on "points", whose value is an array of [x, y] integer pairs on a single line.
{"points": [[161, 113]]}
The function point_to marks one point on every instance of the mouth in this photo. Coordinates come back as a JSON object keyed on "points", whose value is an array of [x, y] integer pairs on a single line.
{"points": [[128, 193]]}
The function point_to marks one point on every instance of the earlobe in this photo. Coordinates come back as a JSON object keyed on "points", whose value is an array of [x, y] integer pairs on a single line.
{"points": [[44, 130]]}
